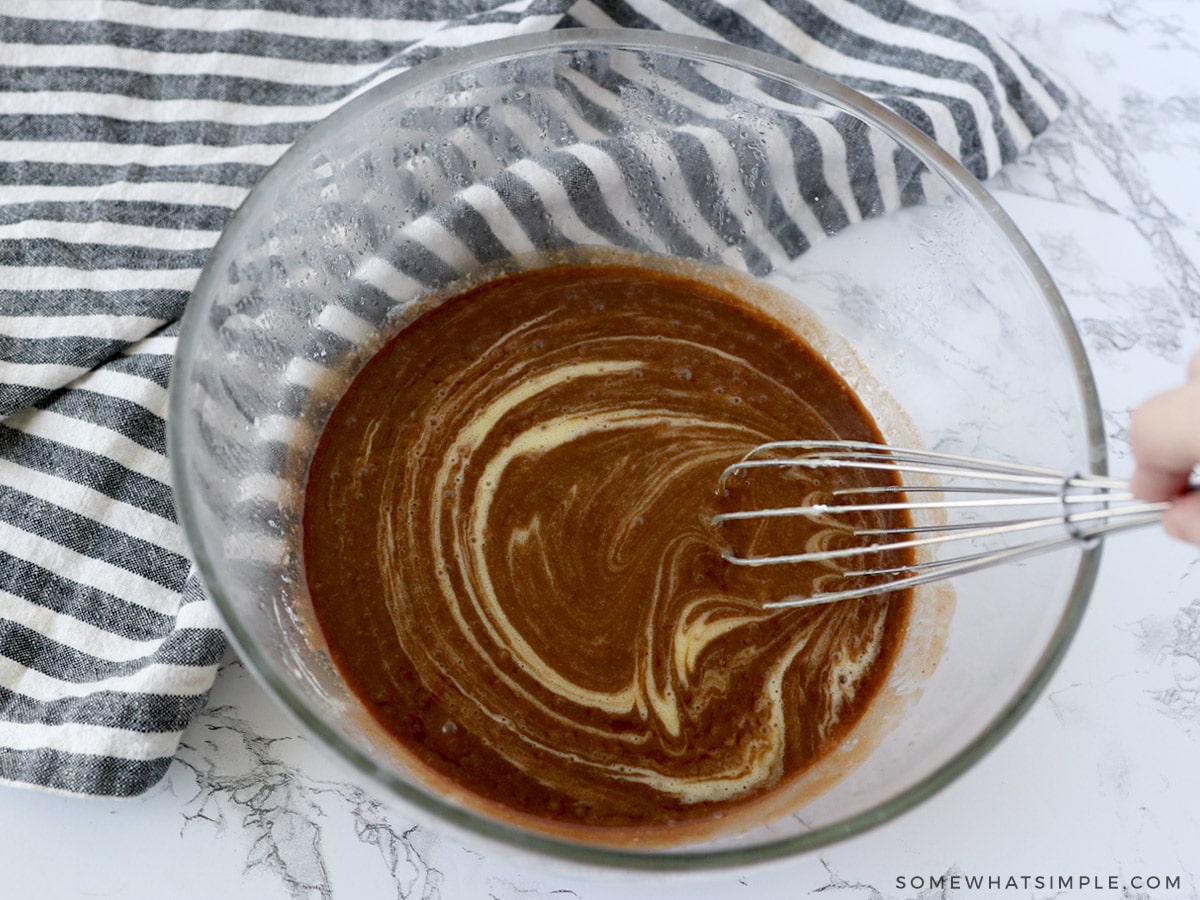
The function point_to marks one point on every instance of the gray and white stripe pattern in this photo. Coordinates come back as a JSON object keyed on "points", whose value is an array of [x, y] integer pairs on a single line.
{"points": [[129, 132]]}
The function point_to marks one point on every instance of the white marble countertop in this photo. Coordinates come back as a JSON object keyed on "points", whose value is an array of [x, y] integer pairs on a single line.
{"points": [[1100, 783]]}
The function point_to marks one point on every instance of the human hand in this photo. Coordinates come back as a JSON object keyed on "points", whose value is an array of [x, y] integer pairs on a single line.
{"points": [[1164, 434]]}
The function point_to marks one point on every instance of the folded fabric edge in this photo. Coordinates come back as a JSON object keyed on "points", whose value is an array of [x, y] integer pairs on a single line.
{"points": [[83, 774], [103, 743]]}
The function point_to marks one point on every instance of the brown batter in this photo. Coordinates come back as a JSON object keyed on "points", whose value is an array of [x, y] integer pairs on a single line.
{"points": [[507, 543]]}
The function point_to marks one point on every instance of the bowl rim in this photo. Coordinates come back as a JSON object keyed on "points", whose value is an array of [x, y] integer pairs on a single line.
{"points": [[813, 82]]}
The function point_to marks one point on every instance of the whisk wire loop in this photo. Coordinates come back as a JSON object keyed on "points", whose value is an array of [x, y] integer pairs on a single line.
{"points": [[964, 494]]}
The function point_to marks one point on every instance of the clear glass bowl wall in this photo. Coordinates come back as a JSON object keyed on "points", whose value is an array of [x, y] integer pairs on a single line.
{"points": [[645, 142]]}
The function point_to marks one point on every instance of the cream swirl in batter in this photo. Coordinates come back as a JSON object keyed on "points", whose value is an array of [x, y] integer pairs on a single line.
{"points": [[508, 546]]}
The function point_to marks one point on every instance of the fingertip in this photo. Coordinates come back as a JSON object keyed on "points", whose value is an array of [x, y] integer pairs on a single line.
{"points": [[1182, 520], [1152, 484], [1193, 368], [1164, 436]]}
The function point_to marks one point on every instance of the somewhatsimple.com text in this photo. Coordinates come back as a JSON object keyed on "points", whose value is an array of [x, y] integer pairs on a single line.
{"points": [[957, 881]]}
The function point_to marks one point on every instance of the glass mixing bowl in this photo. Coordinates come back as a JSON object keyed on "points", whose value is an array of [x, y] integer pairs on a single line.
{"points": [[926, 296]]}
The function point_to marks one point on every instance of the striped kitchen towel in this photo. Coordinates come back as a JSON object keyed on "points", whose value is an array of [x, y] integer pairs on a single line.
{"points": [[129, 131]]}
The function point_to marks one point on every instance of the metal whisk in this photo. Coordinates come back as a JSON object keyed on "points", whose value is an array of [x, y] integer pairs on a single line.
{"points": [[1014, 511]]}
